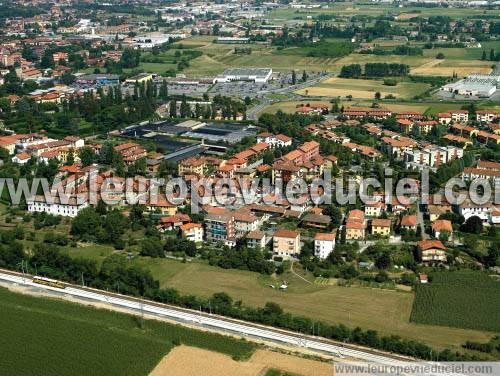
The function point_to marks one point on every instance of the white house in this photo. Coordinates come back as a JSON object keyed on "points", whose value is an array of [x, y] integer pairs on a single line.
{"points": [[324, 243], [192, 231], [66, 208], [274, 141], [469, 209], [21, 158]]}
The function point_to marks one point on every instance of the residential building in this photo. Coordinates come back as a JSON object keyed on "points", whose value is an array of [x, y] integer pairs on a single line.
{"points": [[66, 207], [274, 141], [193, 232], [486, 116], [317, 220], [355, 225], [440, 226], [286, 243], [432, 156], [381, 227], [432, 251], [256, 239], [173, 222], [244, 222], [408, 222], [374, 209], [469, 209], [324, 244], [460, 116], [220, 228]]}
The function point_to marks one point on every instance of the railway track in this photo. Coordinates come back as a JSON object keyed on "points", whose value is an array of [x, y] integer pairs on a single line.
{"points": [[214, 321]]}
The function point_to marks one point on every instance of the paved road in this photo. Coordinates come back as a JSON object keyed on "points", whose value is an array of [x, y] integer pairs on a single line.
{"points": [[216, 323], [254, 112]]}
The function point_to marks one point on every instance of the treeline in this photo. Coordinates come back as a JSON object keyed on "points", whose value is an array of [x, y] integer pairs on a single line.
{"points": [[375, 70], [292, 125], [96, 111], [399, 50], [229, 108], [118, 274], [243, 258], [12, 11]]}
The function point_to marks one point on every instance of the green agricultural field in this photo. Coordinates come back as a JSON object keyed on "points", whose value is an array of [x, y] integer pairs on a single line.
{"points": [[40, 336], [464, 299]]}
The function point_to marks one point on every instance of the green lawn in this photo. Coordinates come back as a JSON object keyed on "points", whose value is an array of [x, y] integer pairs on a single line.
{"points": [[40, 336]]}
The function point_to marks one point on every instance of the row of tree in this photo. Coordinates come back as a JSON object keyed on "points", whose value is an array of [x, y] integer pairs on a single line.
{"points": [[375, 70]]}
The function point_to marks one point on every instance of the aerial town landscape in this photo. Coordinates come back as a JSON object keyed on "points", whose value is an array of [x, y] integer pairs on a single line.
{"points": [[249, 187]]}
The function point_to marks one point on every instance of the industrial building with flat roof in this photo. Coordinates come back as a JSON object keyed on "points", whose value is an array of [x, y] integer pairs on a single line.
{"points": [[475, 85], [261, 75]]}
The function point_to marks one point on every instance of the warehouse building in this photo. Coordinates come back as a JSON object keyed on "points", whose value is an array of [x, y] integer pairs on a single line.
{"points": [[259, 75], [475, 85]]}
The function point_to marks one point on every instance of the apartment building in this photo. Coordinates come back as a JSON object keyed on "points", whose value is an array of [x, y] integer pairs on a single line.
{"points": [[432, 156], [324, 244], [286, 243], [220, 228], [193, 232]]}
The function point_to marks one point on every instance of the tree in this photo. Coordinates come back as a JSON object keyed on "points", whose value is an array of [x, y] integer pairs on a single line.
{"points": [[383, 260], [492, 55], [440, 55], [334, 213], [350, 71], [87, 156], [444, 236], [491, 259], [47, 60], [84, 225], [294, 77], [304, 76], [173, 108], [163, 93], [378, 95], [152, 247], [473, 225], [483, 57], [185, 108]]}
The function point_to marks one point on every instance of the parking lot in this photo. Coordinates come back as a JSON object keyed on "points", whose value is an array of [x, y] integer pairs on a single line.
{"points": [[282, 82]]}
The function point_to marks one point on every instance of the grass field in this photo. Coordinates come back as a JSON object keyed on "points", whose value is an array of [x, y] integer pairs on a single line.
{"points": [[446, 67], [363, 89], [422, 107], [41, 336], [460, 299], [351, 8]]}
